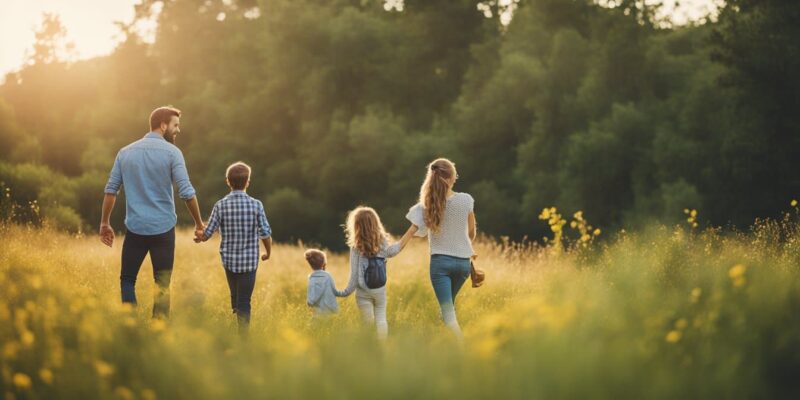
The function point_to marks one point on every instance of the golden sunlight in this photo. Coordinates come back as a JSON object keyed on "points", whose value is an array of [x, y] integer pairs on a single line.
{"points": [[89, 25]]}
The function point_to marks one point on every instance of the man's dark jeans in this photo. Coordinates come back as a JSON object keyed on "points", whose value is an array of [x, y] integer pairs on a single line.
{"points": [[241, 285], [162, 254]]}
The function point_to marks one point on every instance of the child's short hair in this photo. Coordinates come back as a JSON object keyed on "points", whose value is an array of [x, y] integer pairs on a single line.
{"points": [[316, 258], [238, 174]]}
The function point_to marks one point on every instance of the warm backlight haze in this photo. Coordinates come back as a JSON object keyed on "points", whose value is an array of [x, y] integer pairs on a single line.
{"points": [[90, 24]]}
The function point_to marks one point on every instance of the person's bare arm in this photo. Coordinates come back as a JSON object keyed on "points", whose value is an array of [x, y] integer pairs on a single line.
{"points": [[471, 225], [408, 235], [396, 247], [267, 248], [194, 210], [106, 232], [472, 229]]}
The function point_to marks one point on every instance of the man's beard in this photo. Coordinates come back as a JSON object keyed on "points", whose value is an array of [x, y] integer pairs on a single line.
{"points": [[170, 136]]}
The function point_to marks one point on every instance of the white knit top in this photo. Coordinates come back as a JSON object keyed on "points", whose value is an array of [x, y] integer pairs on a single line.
{"points": [[453, 237]]}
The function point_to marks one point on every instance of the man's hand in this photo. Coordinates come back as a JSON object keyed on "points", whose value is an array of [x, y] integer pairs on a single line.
{"points": [[106, 234], [265, 257], [201, 238], [199, 233]]}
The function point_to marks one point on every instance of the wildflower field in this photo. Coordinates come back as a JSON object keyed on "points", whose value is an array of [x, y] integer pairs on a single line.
{"points": [[662, 313]]}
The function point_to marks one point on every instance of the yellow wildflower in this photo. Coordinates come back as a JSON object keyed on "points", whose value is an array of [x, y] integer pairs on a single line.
{"points": [[158, 325], [36, 282], [27, 338], [124, 393], [10, 350], [597, 232], [46, 375], [103, 368], [22, 381], [545, 214], [793, 203], [696, 292], [681, 324], [693, 213], [673, 336], [737, 271]]}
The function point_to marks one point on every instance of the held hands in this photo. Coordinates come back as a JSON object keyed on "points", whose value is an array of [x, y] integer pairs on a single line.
{"points": [[199, 235], [200, 239], [106, 234]]}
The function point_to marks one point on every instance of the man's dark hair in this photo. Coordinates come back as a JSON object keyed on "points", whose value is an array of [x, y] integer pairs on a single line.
{"points": [[162, 115], [238, 174]]}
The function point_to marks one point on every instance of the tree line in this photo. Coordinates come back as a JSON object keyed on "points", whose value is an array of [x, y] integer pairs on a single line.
{"points": [[602, 109]]}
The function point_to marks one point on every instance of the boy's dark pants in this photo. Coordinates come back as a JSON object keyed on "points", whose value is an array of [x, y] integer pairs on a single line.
{"points": [[241, 285], [162, 254]]}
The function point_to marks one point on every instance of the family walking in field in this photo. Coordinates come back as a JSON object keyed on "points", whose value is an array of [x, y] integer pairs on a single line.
{"points": [[148, 168]]}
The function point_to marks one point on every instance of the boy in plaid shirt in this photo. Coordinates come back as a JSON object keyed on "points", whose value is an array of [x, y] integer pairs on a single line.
{"points": [[242, 222]]}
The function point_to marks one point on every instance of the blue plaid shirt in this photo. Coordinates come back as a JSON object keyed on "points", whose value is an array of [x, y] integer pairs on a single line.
{"points": [[242, 222]]}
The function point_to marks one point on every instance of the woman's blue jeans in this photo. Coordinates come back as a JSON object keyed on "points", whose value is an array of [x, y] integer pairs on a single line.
{"points": [[448, 274]]}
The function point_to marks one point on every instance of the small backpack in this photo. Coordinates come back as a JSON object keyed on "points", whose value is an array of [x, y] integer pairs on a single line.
{"points": [[375, 274]]}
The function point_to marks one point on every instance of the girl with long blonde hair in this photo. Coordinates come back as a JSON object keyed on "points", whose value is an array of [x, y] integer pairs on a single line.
{"points": [[447, 218], [368, 240]]}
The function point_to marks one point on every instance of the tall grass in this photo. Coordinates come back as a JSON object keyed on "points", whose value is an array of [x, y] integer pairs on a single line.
{"points": [[665, 313]]}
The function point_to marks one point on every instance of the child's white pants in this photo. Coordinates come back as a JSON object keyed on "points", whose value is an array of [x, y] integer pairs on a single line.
{"points": [[372, 303]]}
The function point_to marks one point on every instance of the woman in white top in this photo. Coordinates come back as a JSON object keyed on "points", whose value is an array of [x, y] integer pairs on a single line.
{"points": [[367, 238], [447, 218]]}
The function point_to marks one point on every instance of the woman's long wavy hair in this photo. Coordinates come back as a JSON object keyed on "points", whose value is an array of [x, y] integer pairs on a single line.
{"points": [[364, 231], [433, 194]]}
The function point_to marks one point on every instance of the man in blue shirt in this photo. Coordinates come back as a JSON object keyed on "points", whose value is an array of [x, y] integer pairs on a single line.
{"points": [[147, 169]]}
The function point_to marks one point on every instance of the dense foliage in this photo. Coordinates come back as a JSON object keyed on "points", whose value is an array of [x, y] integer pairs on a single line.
{"points": [[336, 103]]}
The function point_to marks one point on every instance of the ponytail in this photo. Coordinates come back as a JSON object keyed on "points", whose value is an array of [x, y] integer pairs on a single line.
{"points": [[433, 194]]}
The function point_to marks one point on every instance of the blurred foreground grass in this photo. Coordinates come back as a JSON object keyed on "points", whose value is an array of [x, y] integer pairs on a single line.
{"points": [[664, 313]]}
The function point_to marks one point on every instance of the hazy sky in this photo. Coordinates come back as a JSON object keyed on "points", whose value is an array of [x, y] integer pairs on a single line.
{"points": [[90, 24]]}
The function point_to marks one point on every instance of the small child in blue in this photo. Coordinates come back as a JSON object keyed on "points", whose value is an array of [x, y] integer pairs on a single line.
{"points": [[242, 222], [321, 296]]}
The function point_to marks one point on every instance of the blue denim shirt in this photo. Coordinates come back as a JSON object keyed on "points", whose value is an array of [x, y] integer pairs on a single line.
{"points": [[147, 168]]}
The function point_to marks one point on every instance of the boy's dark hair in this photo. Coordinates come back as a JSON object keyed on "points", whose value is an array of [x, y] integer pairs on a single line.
{"points": [[162, 115], [238, 174], [316, 258]]}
